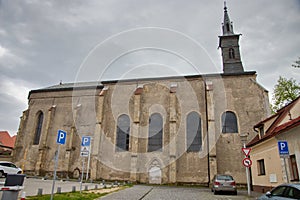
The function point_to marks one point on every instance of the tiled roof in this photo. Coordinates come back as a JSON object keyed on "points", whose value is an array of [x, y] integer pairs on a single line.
{"points": [[279, 129], [275, 128], [6, 139]]}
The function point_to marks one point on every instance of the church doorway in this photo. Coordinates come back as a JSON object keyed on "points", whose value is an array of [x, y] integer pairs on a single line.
{"points": [[155, 175]]}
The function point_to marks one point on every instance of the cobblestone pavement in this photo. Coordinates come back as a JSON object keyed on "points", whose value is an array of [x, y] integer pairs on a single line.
{"points": [[142, 192]]}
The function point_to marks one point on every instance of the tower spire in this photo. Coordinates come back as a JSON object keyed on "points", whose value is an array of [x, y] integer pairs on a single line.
{"points": [[229, 44], [227, 24]]}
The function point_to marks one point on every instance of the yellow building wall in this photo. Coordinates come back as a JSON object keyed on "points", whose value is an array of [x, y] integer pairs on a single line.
{"points": [[268, 151]]}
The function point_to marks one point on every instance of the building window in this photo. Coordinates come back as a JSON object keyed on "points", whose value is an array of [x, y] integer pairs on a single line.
{"points": [[38, 129], [123, 133], [261, 167], [294, 168], [229, 122], [155, 132], [261, 131], [231, 53], [228, 27], [193, 132]]}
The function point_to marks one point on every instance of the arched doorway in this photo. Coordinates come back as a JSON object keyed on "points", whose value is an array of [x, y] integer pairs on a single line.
{"points": [[154, 173]]}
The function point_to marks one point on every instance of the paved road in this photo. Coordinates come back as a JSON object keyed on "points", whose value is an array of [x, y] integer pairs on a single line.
{"points": [[137, 192], [142, 192]]}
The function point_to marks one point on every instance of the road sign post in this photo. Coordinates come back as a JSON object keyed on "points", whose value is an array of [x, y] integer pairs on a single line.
{"points": [[247, 163], [283, 149], [85, 151], [61, 139]]}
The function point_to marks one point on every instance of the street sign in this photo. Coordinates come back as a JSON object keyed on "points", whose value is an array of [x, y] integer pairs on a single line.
{"points": [[247, 162], [61, 137], [86, 141], [246, 151], [85, 151], [283, 148]]}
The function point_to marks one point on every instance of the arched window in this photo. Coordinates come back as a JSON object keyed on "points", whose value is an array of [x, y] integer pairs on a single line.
{"points": [[231, 53], [123, 133], [229, 122], [38, 129], [228, 27], [193, 132], [155, 132]]}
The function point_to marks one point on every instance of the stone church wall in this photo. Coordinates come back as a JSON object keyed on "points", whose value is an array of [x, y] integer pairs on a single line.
{"points": [[94, 112]]}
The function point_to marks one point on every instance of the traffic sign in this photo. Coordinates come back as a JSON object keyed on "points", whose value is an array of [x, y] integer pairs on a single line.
{"points": [[85, 151], [283, 148], [86, 141], [61, 137], [246, 151], [247, 162]]}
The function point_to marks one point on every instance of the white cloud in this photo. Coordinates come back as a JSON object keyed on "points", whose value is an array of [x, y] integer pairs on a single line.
{"points": [[43, 42], [3, 51], [16, 89]]}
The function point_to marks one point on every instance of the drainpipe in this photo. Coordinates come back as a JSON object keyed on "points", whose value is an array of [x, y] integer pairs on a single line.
{"points": [[207, 136]]}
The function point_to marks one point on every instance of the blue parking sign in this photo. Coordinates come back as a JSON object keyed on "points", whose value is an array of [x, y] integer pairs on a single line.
{"points": [[61, 137], [86, 141], [283, 148]]}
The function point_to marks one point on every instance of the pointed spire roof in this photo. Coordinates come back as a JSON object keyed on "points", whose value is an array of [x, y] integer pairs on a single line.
{"points": [[227, 24]]}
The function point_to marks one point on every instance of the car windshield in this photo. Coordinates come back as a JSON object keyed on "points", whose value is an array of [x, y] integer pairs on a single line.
{"points": [[225, 178]]}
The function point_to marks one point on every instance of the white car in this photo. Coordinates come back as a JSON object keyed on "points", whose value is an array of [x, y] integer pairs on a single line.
{"points": [[9, 168]]}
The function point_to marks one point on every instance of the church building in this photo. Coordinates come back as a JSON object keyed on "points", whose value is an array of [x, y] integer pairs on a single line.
{"points": [[160, 130]]}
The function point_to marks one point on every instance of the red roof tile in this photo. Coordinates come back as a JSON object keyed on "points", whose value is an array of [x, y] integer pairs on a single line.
{"points": [[6, 139], [279, 129]]}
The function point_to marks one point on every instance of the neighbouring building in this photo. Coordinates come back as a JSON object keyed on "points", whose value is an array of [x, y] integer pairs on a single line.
{"points": [[7, 144], [150, 130], [269, 169]]}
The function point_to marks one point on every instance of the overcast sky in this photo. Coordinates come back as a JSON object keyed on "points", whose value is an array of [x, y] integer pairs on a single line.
{"points": [[43, 42]]}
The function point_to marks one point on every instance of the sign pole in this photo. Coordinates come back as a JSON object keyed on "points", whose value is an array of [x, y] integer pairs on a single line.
{"points": [[247, 175], [286, 172], [283, 149], [61, 139], [82, 175], [88, 163], [54, 175]]}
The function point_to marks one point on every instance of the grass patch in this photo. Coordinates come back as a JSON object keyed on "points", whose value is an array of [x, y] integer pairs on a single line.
{"points": [[86, 195], [70, 195]]}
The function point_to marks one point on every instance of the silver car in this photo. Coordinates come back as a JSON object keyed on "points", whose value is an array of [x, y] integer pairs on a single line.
{"points": [[283, 192], [223, 183], [9, 168]]}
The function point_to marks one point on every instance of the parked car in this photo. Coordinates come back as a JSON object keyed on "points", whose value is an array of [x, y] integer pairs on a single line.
{"points": [[223, 183], [9, 168], [283, 192]]}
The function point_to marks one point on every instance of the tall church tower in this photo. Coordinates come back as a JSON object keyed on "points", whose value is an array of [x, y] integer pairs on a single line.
{"points": [[229, 44]]}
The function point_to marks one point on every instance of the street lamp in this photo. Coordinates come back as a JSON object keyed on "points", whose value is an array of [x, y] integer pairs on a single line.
{"points": [[244, 137]]}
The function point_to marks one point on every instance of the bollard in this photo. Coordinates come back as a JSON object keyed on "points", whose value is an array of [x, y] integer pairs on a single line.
{"points": [[23, 196], [58, 190], [85, 187], [40, 191], [73, 188]]}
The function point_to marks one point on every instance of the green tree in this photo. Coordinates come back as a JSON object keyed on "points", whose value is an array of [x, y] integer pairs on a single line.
{"points": [[285, 91]]}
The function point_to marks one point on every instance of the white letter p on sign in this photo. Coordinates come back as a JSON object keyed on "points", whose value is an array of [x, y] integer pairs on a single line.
{"points": [[282, 146]]}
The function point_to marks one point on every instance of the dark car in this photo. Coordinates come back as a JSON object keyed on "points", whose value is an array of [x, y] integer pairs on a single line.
{"points": [[223, 183], [283, 192]]}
